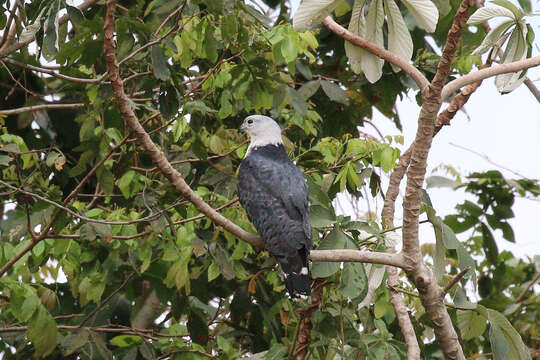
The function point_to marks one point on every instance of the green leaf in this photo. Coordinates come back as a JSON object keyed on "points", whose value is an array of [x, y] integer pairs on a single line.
{"points": [[357, 26], [297, 101], [221, 257], [49, 48], [160, 66], [321, 217], [471, 324], [354, 281], [311, 13], [518, 14], [276, 352], [76, 17], [372, 64], [441, 182], [289, 49], [4, 160], [489, 245], [460, 299], [516, 50], [499, 345], [106, 180], [210, 44], [42, 332], [309, 89], [125, 182], [399, 38], [29, 306], [516, 348], [229, 27], [334, 92], [126, 340], [489, 12], [336, 239], [70, 343], [493, 37], [425, 13]]}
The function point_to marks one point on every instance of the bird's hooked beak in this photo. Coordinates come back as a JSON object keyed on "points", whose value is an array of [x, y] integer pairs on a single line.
{"points": [[243, 128]]}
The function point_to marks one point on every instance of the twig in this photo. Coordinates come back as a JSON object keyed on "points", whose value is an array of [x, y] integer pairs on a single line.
{"points": [[524, 292], [485, 157], [410, 70], [102, 303], [177, 162], [48, 227], [41, 107], [454, 280], [178, 10], [148, 218], [534, 90]]}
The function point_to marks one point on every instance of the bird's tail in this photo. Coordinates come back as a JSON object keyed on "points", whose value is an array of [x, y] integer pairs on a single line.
{"points": [[298, 285], [297, 275]]}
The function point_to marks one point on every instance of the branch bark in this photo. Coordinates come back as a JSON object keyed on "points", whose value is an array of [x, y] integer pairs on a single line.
{"points": [[487, 73], [40, 107], [417, 271], [410, 70]]}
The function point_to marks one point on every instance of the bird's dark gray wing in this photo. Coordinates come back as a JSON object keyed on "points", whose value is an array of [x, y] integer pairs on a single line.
{"points": [[283, 181]]}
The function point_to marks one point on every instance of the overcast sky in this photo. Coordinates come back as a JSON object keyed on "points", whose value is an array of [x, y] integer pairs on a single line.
{"points": [[506, 128]]}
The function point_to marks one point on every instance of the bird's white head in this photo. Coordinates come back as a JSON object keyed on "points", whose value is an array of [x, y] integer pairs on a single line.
{"points": [[262, 131]]}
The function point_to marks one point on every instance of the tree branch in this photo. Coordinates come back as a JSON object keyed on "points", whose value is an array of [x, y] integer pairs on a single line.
{"points": [[487, 73], [64, 19], [402, 314], [346, 255], [41, 107], [409, 69], [534, 90], [148, 218], [450, 47], [157, 155]]}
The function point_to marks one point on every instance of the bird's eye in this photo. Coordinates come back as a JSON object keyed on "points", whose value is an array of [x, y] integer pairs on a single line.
{"points": [[250, 121]]}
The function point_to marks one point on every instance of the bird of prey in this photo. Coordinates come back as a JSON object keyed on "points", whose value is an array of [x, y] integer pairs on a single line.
{"points": [[274, 194]]}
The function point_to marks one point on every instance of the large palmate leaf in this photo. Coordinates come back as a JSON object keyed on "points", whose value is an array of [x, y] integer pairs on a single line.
{"points": [[399, 38], [357, 26], [372, 64], [515, 50], [486, 13], [424, 12], [492, 38], [312, 12]]}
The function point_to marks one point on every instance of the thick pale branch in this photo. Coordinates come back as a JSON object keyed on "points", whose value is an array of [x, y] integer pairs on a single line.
{"points": [[487, 73], [64, 19], [338, 255], [405, 324], [450, 47], [409, 69], [417, 271]]}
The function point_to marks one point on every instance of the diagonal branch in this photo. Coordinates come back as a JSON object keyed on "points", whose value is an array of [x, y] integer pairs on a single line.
{"points": [[144, 139], [450, 47], [409, 69], [487, 73]]}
